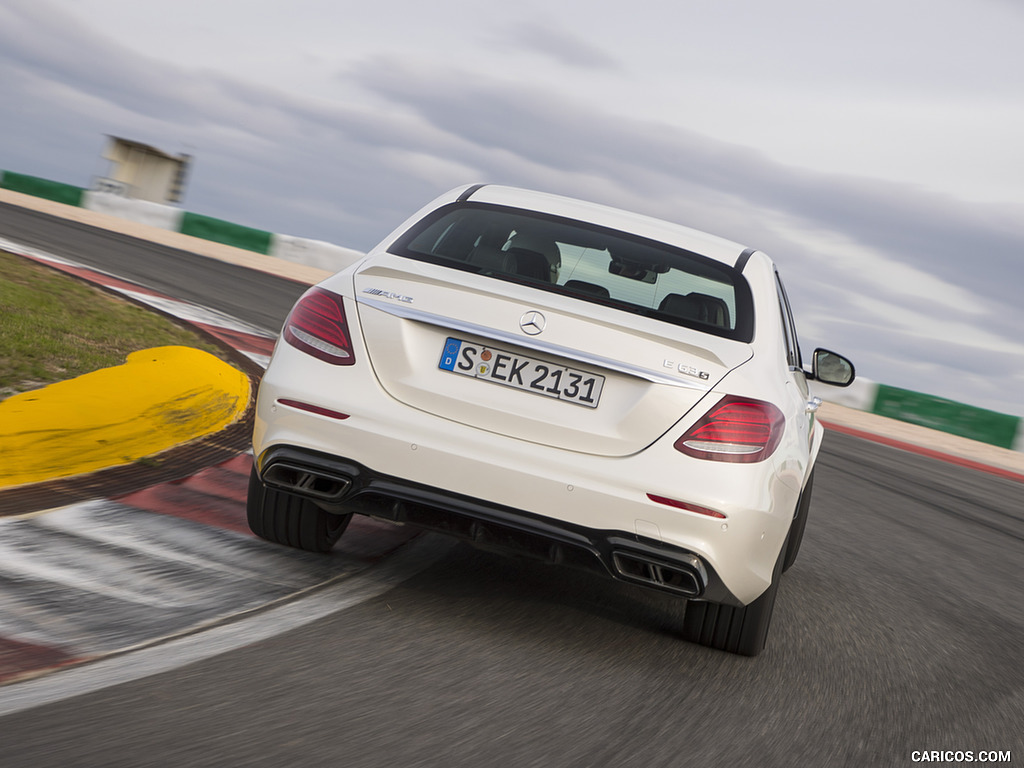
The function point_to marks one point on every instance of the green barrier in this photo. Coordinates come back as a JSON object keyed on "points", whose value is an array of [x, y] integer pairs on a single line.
{"points": [[50, 190], [220, 231], [947, 416]]}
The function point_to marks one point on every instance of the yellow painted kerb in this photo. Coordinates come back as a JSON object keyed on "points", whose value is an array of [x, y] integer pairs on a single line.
{"points": [[158, 399]]}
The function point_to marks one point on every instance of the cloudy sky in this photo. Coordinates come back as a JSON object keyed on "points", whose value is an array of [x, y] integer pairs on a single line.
{"points": [[874, 149]]}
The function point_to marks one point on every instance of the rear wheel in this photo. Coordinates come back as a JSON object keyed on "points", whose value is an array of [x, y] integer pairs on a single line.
{"points": [[742, 630], [285, 518]]}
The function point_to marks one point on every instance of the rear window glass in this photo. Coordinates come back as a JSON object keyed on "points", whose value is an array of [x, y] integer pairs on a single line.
{"points": [[589, 263]]}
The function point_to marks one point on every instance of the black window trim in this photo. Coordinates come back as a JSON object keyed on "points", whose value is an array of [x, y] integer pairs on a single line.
{"points": [[470, 192], [744, 296], [741, 262], [793, 356]]}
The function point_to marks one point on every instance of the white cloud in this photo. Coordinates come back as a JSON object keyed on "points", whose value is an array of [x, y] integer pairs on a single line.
{"points": [[894, 318], [871, 272], [560, 44]]}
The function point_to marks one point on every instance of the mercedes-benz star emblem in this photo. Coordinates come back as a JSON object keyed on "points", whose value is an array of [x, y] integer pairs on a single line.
{"points": [[532, 323]]}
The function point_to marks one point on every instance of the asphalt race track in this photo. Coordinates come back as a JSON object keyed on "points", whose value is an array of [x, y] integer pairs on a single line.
{"points": [[900, 629]]}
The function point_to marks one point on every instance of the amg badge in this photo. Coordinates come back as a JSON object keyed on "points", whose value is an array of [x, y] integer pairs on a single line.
{"points": [[388, 294]]}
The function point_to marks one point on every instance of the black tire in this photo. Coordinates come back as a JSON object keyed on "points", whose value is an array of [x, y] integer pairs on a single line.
{"points": [[743, 631], [796, 532], [284, 518]]}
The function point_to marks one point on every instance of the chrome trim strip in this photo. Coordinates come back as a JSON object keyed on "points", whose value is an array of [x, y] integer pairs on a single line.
{"points": [[530, 342]]}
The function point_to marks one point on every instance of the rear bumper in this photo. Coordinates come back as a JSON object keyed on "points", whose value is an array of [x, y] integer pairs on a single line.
{"points": [[488, 477], [341, 485]]}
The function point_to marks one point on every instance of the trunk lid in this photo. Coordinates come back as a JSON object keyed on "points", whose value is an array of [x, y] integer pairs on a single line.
{"points": [[581, 377]]}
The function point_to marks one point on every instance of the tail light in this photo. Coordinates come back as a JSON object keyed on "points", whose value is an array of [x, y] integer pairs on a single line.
{"points": [[736, 429], [317, 326]]}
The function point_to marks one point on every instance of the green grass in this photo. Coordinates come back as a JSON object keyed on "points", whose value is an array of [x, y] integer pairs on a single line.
{"points": [[54, 327]]}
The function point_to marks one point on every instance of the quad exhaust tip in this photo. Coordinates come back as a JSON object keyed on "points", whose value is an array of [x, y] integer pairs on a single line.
{"points": [[687, 579], [303, 481]]}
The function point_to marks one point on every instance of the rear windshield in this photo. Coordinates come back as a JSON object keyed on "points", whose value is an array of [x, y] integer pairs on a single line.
{"points": [[589, 263]]}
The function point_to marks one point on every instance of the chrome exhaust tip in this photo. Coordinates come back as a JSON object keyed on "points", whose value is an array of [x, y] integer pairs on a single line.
{"points": [[688, 579], [305, 481]]}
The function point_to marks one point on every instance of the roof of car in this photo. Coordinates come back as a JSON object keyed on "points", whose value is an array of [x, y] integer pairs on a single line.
{"points": [[711, 246]]}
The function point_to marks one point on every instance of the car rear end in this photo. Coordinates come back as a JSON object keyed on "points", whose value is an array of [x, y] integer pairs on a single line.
{"points": [[531, 374]]}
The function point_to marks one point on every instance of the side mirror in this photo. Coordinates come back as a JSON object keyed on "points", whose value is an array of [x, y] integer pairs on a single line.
{"points": [[832, 368]]}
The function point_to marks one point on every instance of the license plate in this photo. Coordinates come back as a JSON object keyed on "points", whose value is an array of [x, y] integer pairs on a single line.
{"points": [[520, 372]]}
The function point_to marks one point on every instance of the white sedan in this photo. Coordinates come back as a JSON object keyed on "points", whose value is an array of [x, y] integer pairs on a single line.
{"points": [[560, 379]]}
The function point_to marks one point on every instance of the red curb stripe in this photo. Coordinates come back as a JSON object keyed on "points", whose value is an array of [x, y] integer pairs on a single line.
{"points": [[18, 659], [219, 483], [241, 464], [929, 452], [240, 340], [188, 504]]}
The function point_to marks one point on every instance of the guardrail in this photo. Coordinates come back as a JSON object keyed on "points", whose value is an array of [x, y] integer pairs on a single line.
{"points": [[979, 424], [51, 190], [314, 253], [956, 418], [936, 413], [225, 232]]}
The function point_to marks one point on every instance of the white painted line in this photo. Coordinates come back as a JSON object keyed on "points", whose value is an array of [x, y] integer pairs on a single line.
{"points": [[86, 521], [27, 250], [204, 643], [91, 574]]}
